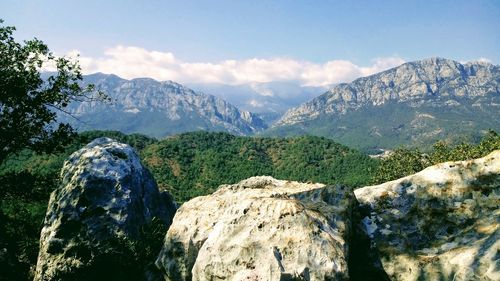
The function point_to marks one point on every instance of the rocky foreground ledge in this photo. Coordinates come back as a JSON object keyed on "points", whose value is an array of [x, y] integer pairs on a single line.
{"points": [[105, 199], [261, 229], [439, 224]]}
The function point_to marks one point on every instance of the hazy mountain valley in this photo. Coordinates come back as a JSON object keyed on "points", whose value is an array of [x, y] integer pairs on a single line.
{"points": [[268, 100]]}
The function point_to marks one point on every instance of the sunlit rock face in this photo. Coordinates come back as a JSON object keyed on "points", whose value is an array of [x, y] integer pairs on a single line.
{"points": [[261, 229], [439, 224], [157, 109], [414, 104], [415, 82], [105, 199]]}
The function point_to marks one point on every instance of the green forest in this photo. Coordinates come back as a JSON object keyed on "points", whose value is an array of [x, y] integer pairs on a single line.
{"points": [[195, 164]]}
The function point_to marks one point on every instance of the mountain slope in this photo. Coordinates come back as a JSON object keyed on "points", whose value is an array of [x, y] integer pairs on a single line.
{"points": [[413, 104], [158, 109]]}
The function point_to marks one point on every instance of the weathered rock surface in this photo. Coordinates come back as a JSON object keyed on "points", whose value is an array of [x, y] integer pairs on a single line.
{"points": [[439, 224], [105, 199], [261, 229]]}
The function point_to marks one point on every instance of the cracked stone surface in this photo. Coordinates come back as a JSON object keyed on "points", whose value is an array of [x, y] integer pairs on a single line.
{"points": [[261, 229]]}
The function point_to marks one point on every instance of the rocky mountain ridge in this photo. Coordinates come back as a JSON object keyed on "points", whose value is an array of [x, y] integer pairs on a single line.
{"points": [[412, 82], [415, 104], [157, 109]]}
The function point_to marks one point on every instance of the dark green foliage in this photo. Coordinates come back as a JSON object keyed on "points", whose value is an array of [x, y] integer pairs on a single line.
{"points": [[137, 141], [194, 164], [28, 103], [27, 115], [404, 161], [401, 163], [443, 152], [21, 222]]}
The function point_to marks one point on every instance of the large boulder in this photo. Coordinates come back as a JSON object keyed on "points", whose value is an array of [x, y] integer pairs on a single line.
{"points": [[261, 229], [104, 206], [439, 224]]}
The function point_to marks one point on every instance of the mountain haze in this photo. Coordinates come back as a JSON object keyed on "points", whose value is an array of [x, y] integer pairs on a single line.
{"points": [[269, 100], [157, 109], [416, 104]]}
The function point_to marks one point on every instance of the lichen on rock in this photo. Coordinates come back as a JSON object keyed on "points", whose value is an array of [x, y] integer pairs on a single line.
{"points": [[439, 224], [104, 204], [261, 229]]}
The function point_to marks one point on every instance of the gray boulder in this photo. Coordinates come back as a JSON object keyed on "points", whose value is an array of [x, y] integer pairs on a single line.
{"points": [[97, 218], [439, 224], [261, 229]]}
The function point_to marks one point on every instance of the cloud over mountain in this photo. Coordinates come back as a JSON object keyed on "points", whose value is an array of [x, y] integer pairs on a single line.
{"points": [[133, 62]]}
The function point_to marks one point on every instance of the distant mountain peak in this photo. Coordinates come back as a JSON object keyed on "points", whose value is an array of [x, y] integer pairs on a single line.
{"points": [[144, 105], [464, 98], [411, 81]]}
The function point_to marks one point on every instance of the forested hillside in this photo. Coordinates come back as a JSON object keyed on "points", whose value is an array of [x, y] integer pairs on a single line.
{"points": [[195, 164], [404, 161]]}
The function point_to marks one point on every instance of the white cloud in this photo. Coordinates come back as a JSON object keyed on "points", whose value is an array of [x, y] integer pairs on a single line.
{"points": [[133, 62], [478, 60], [255, 103], [262, 89], [485, 60]]}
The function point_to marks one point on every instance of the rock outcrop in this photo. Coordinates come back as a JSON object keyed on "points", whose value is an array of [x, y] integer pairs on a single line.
{"points": [[439, 224], [105, 201], [261, 229]]}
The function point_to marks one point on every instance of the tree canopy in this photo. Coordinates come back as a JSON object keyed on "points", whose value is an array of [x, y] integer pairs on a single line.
{"points": [[28, 103], [404, 161]]}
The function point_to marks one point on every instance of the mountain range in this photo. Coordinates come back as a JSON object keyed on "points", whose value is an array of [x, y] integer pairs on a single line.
{"points": [[413, 104], [157, 109]]}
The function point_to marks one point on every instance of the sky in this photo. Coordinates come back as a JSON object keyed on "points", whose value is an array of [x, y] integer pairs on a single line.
{"points": [[315, 43]]}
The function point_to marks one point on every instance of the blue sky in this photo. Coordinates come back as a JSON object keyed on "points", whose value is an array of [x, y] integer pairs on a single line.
{"points": [[212, 32]]}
